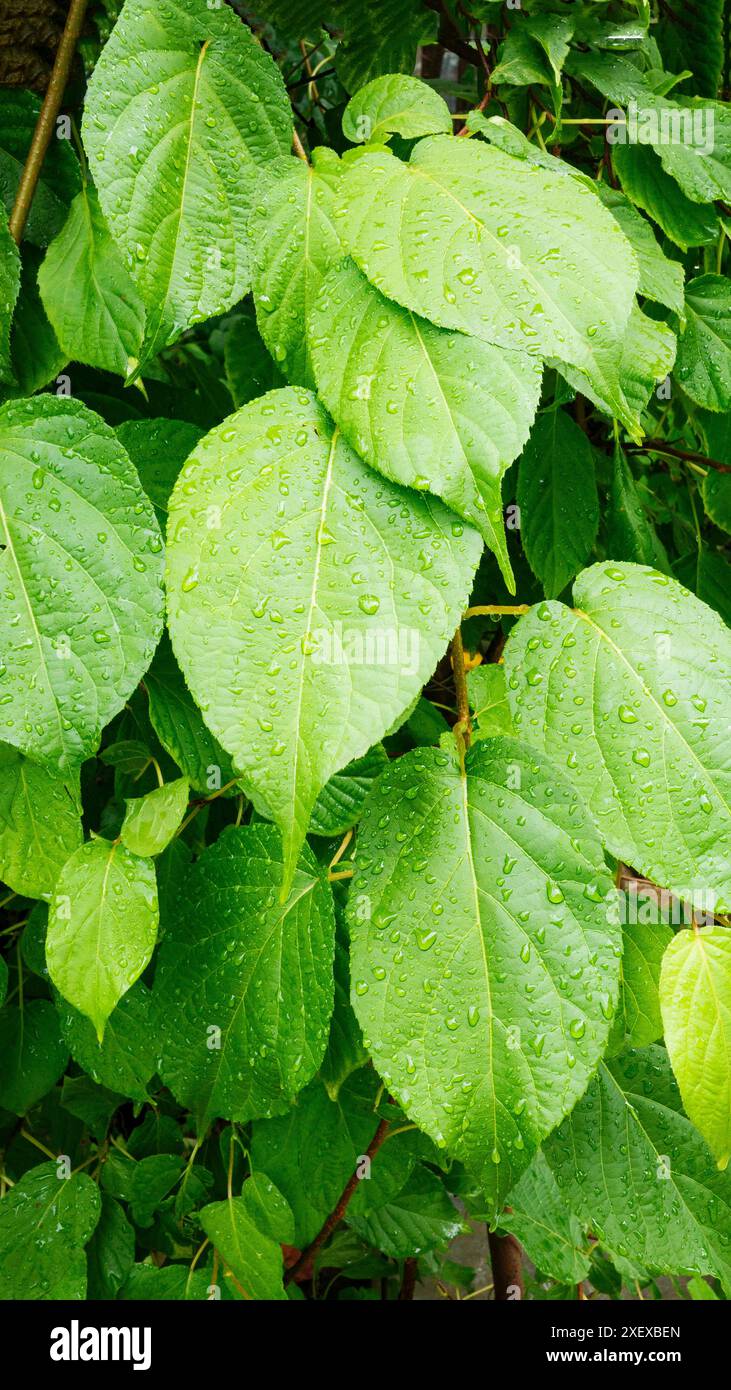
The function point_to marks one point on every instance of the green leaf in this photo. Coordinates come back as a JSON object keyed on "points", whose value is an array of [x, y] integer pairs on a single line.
{"points": [[250, 371], [45, 1222], [312, 1151], [102, 927], [465, 872], [90, 535], [143, 1183], [158, 450], [111, 1251], [647, 185], [661, 279], [716, 489], [243, 987], [294, 244], [380, 37], [253, 1257], [557, 496], [709, 576], [636, 1172], [638, 1021], [704, 351], [301, 666], [512, 253], [3, 981], [629, 530], [341, 801], [489, 700], [40, 824], [178, 723], [173, 1282], [418, 1218], [151, 821], [37, 357], [89, 296], [182, 109], [9, 287], [695, 998], [59, 177], [33, 1054], [629, 689], [93, 1104], [395, 105], [427, 407], [545, 1225], [345, 1052], [127, 1057]]}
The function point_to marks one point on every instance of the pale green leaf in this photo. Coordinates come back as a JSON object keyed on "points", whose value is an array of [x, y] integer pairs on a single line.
{"points": [[310, 621], [294, 244], [89, 296], [647, 357], [102, 926], [489, 700], [40, 824], [90, 537], [395, 105], [45, 1222], [427, 407], [557, 496], [704, 350], [637, 1172], [478, 886], [33, 1054], [547, 1228], [629, 689], [244, 988], [695, 998], [151, 821], [182, 108], [517, 255]]}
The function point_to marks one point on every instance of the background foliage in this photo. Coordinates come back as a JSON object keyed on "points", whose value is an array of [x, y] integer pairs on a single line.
{"points": [[333, 331]]}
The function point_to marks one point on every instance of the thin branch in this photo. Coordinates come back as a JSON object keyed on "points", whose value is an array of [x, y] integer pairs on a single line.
{"points": [[46, 123], [408, 1280], [464, 723], [303, 1266], [656, 446], [298, 147], [496, 610]]}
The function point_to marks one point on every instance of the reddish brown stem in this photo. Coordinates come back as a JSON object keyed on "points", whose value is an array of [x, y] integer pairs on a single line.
{"points": [[656, 446], [408, 1280], [303, 1267], [506, 1258]]}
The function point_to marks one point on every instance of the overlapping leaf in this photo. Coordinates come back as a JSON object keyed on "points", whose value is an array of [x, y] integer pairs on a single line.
{"points": [[309, 619], [630, 691], [695, 997], [479, 886], [76, 526], [182, 108]]}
